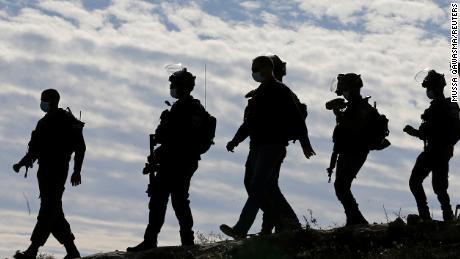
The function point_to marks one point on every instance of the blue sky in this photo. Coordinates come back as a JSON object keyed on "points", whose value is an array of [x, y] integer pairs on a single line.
{"points": [[107, 59]]}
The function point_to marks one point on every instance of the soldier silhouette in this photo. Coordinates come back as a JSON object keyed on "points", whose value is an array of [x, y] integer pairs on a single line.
{"points": [[182, 139], [248, 215], [439, 131], [272, 118], [57, 135], [360, 128]]}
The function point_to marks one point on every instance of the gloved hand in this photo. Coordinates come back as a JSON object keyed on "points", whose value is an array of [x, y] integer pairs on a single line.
{"points": [[231, 146], [75, 179], [308, 151], [410, 130], [17, 167]]}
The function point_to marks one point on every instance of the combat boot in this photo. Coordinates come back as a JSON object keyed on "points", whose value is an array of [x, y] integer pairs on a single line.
{"points": [[265, 231], [72, 251], [187, 238], [231, 232], [447, 214], [72, 255], [355, 217], [267, 225], [25, 255], [143, 246], [30, 253], [424, 212]]}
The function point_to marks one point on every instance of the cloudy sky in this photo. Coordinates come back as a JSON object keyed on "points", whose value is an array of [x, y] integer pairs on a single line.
{"points": [[107, 58]]}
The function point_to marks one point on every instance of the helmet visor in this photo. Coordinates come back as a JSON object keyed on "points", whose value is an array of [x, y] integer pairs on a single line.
{"points": [[172, 68], [333, 84], [421, 75]]}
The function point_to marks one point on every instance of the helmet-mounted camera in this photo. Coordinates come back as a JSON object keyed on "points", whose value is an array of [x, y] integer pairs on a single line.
{"points": [[345, 82]]}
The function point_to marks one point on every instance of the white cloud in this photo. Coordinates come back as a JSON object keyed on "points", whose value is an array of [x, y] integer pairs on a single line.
{"points": [[250, 5], [377, 16], [109, 64], [73, 11]]}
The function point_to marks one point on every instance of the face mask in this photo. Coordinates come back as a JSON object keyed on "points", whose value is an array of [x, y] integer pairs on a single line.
{"points": [[430, 94], [257, 77], [173, 92], [45, 106]]}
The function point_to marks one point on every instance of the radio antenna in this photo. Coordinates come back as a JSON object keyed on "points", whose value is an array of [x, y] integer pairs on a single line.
{"points": [[205, 86]]}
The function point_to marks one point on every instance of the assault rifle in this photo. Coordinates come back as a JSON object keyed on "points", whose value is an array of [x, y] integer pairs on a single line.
{"points": [[332, 164], [151, 166], [336, 105]]}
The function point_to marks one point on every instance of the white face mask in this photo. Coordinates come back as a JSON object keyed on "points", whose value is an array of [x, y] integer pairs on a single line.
{"points": [[45, 106], [173, 92], [257, 77]]}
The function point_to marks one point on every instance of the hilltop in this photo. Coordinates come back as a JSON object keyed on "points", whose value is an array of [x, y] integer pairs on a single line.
{"points": [[393, 240]]}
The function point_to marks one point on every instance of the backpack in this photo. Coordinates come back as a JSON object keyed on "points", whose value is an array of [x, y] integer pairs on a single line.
{"points": [[302, 108], [76, 124], [205, 132], [294, 134], [76, 127], [377, 130]]}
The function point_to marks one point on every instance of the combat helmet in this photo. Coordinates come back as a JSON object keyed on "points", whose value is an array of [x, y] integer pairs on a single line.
{"points": [[279, 66], [347, 81], [434, 80], [183, 79]]}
